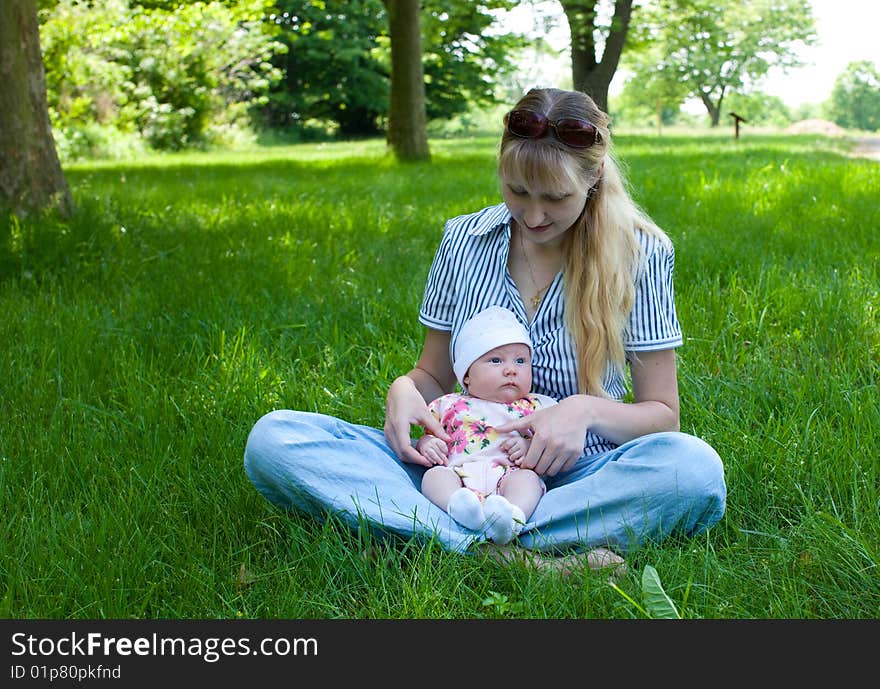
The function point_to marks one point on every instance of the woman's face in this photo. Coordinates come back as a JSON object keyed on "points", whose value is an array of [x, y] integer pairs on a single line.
{"points": [[543, 215]]}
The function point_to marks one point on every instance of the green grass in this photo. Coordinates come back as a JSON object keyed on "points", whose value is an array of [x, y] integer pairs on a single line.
{"points": [[193, 293]]}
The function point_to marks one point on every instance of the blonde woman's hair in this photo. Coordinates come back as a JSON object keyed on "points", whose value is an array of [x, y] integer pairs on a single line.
{"points": [[602, 251]]}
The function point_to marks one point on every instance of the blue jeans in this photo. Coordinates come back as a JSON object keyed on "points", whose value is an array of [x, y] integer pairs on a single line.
{"points": [[642, 490]]}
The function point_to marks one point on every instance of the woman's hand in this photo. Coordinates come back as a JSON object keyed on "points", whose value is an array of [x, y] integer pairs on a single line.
{"points": [[404, 408], [557, 436]]}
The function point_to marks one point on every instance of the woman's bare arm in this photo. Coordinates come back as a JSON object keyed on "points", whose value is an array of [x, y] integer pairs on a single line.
{"points": [[406, 404]]}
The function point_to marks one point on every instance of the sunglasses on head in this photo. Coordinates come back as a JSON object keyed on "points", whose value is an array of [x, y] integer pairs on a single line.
{"points": [[571, 131]]}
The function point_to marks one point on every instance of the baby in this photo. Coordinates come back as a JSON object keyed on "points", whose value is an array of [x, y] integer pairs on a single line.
{"points": [[476, 477]]}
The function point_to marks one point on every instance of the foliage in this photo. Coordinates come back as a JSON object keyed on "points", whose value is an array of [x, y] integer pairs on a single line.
{"points": [[658, 604], [175, 74], [334, 69], [633, 109], [808, 111], [463, 60], [757, 108], [640, 102], [708, 48], [501, 604], [176, 77], [855, 98], [338, 62]]}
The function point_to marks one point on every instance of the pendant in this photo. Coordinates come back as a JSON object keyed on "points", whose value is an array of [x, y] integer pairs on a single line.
{"points": [[536, 300]]}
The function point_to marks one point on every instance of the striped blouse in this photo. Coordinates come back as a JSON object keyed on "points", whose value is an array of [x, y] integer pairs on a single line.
{"points": [[469, 273]]}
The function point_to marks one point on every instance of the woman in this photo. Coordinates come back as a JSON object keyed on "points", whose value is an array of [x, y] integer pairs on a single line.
{"points": [[590, 276]]}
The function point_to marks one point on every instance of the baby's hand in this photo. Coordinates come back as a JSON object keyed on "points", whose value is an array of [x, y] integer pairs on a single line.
{"points": [[433, 449], [515, 448]]}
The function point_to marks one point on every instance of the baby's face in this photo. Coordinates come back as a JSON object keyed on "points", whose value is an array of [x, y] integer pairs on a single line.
{"points": [[503, 374]]}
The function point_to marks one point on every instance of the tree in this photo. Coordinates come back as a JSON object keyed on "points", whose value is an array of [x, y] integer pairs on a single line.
{"points": [[30, 173], [589, 74], [855, 98], [338, 63], [711, 47], [334, 69], [647, 103], [407, 120], [759, 108], [463, 59]]}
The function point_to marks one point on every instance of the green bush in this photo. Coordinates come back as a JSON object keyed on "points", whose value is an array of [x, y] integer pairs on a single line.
{"points": [[172, 76], [855, 99]]}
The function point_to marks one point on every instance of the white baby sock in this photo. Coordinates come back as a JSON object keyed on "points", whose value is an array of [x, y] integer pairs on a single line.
{"points": [[500, 519], [465, 507], [519, 519]]}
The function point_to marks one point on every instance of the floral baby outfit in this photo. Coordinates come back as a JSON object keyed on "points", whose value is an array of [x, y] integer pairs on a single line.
{"points": [[474, 449]]}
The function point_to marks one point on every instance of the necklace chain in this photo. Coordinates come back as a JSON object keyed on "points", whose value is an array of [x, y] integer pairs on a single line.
{"points": [[539, 295]]}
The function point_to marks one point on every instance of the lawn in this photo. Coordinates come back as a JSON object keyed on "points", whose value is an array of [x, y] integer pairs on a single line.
{"points": [[192, 293]]}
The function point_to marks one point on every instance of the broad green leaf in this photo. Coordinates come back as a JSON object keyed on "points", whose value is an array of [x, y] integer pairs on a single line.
{"points": [[657, 603]]}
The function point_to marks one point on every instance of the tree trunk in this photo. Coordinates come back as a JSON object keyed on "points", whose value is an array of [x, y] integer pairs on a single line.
{"points": [[407, 119], [713, 110], [590, 75], [30, 173]]}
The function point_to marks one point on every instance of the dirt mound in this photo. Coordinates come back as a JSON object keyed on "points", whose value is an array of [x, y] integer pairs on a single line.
{"points": [[816, 127]]}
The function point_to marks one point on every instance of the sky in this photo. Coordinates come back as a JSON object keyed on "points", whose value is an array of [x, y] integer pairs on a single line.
{"points": [[848, 31]]}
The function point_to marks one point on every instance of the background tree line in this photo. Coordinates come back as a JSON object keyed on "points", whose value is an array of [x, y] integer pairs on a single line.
{"points": [[176, 74], [125, 75]]}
